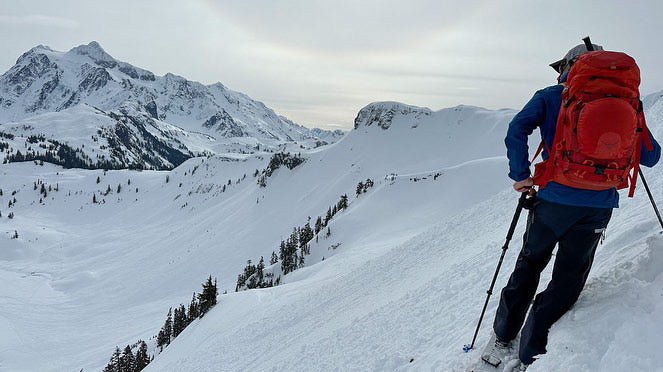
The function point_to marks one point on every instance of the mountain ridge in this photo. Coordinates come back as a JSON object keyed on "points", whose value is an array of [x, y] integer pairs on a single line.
{"points": [[47, 81]]}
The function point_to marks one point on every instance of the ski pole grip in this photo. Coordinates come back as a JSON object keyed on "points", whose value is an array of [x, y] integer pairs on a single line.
{"points": [[588, 44]]}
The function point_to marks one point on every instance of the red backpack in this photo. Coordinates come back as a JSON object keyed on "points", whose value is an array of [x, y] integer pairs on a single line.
{"points": [[600, 127]]}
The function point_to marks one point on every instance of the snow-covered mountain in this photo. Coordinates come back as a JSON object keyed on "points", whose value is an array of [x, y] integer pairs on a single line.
{"points": [[83, 107], [396, 283]]}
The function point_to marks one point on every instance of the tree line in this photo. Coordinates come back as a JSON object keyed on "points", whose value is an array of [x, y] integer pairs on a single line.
{"points": [[279, 159], [292, 251], [176, 321]]}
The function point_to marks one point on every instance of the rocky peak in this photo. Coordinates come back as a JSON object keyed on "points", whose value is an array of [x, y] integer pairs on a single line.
{"points": [[39, 50], [96, 53], [383, 114]]}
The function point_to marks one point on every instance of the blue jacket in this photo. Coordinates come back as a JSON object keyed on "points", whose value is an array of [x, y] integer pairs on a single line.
{"points": [[542, 111]]}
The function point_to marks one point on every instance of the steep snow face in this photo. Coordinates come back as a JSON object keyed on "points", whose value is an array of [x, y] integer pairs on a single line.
{"points": [[396, 300], [210, 218], [47, 81]]}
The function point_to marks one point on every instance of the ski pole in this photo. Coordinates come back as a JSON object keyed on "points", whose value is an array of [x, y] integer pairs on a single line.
{"points": [[651, 198], [509, 235]]}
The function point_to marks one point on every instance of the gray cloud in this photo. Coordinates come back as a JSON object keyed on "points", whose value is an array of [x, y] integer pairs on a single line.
{"points": [[39, 20], [344, 25]]}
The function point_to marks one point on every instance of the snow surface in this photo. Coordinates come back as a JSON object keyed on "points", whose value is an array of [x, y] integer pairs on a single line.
{"points": [[402, 281]]}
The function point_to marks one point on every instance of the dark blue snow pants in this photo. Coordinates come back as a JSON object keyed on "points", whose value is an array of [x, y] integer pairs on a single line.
{"points": [[577, 230]]}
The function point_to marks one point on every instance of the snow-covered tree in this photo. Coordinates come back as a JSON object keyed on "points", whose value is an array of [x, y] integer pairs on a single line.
{"points": [[127, 360], [142, 357], [360, 188]]}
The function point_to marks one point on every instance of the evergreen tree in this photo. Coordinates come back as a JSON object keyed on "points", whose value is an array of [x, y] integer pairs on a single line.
{"points": [[259, 273], [179, 320], [194, 310], [360, 188], [163, 338], [328, 217], [318, 225], [127, 360], [168, 326], [98, 179], [94, 198], [301, 260], [328, 231], [334, 210], [305, 235], [283, 254], [289, 262], [114, 363], [241, 281], [142, 358], [207, 299], [109, 367], [274, 258], [343, 203], [119, 188], [247, 277]]}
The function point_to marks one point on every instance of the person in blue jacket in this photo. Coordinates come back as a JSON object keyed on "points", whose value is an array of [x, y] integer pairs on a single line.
{"points": [[574, 219]]}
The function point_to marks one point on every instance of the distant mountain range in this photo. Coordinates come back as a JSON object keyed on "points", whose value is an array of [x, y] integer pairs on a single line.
{"points": [[83, 108]]}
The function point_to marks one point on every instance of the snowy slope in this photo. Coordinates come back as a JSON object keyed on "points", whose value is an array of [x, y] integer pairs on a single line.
{"points": [[392, 304], [404, 271]]}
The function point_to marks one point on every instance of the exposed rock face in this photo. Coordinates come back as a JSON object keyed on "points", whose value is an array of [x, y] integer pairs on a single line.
{"points": [[382, 114], [224, 125]]}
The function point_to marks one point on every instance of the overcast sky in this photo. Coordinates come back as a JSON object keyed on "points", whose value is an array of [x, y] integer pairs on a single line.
{"points": [[319, 62]]}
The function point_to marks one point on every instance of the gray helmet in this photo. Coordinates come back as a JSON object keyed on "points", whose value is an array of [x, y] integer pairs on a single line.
{"points": [[571, 56]]}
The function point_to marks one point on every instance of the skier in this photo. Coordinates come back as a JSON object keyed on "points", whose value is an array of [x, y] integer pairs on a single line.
{"points": [[573, 218]]}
